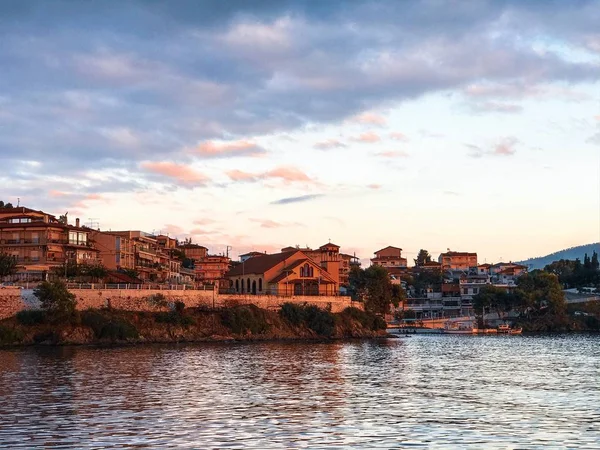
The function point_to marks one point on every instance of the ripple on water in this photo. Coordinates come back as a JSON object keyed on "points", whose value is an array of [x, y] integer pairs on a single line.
{"points": [[422, 392]]}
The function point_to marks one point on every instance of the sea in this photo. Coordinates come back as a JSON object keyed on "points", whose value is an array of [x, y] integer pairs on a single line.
{"points": [[422, 391]]}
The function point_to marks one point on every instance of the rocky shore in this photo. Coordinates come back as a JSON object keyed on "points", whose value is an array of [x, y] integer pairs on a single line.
{"points": [[242, 323]]}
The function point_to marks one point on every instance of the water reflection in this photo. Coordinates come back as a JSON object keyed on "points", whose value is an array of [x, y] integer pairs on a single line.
{"points": [[431, 391]]}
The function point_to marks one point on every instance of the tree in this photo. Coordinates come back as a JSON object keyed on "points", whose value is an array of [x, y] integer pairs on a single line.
{"points": [[8, 265], [422, 258], [56, 299], [494, 298], [68, 269], [374, 287], [96, 271], [9, 205], [131, 273], [541, 293], [595, 263]]}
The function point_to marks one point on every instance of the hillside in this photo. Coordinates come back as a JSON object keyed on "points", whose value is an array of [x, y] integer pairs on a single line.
{"points": [[569, 253]]}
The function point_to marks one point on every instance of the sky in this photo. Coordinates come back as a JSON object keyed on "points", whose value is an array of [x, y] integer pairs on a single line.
{"points": [[470, 126]]}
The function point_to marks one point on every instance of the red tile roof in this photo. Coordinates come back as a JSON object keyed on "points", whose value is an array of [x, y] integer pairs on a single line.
{"points": [[260, 264]]}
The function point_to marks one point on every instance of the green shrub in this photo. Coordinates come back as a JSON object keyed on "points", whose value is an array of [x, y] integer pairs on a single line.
{"points": [[31, 316], [368, 320], [179, 307], [319, 320], [242, 319], [293, 313], [104, 327], [48, 335], [10, 335], [56, 300], [173, 318], [157, 301], [119, 330]]}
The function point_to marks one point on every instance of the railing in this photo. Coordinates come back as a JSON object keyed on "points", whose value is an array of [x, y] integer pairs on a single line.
{"points": [[128, 286]]}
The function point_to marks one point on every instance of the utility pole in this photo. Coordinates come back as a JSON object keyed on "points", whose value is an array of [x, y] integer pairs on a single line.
{"points": [[227, 249]]}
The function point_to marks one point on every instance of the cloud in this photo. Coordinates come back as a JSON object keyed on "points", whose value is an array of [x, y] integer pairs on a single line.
{"points": [[204, 221], [89, 86], [180, 173], [503, 148], [397, 136], [496, 107], [394, 154], [374, 186], [212, 149], [301, 198], [368, 137], [329, 144], [286, 174], [368, 118], [594, 139]]}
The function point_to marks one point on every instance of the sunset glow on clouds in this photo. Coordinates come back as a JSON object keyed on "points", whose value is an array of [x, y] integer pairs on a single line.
{"points": [[466, 125]]}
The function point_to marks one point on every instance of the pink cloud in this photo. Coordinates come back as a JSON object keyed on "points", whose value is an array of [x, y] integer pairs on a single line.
{"points": [[505, 148], [267, 223], [374, 186], [597, 118], [368, 137], [397, 136], [287, 174], [229, 149], [179, 172], [204, 221], [394, 154], [239, 175], [329, 144], [370, 119], [94, 197], [57, 194]]}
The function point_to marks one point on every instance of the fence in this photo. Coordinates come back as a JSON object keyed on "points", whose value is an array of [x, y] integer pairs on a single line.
{"points": [[139, 287]]}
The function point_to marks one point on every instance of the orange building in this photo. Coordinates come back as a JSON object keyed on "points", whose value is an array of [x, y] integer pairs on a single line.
{"points": [[194, 252], [40, 242], [211, 269], [290, 272], [346, 264], [389, 257], [116, 252], [457, 260], [150, 261]]}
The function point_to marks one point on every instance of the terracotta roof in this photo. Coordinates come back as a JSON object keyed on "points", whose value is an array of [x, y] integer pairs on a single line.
{"points": [[260, 264], [389, 246], [323, 274], [459, 254], [329, 244], [252, 254], [484, 265], [191, 246]]}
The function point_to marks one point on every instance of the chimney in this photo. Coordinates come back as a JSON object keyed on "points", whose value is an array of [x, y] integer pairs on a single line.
{"points": [[77, 222]]}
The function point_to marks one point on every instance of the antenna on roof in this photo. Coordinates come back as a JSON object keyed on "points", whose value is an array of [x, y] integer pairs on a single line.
{"points": [[18, 201]]}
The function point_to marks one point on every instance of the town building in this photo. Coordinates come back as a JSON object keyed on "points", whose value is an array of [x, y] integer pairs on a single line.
{"points": [[457, 260], [290, 272], [246, 256], [115, 252], [150, 262], [211, 269], [346, 264], [389, 257], [40, 242], [194, 252]]}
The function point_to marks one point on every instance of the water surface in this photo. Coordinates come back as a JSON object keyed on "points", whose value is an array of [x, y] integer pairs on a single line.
{"points": [[422, 391]]}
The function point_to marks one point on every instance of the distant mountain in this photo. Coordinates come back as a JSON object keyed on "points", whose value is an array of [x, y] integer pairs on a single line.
{"points": [[569, 253]]}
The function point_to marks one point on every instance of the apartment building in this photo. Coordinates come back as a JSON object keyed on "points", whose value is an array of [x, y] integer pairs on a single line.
{"points": [[40, 242], [457, 260]]}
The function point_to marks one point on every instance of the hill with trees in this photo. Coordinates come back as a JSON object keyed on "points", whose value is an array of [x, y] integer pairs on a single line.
{"points": [[572, 253]]}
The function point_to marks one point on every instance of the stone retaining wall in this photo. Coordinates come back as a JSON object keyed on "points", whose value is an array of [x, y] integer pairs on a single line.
{"points": [[13, 300]]}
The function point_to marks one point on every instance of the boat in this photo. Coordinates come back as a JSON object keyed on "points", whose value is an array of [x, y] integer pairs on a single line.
{"points": [[458, 328], [507, 329]]}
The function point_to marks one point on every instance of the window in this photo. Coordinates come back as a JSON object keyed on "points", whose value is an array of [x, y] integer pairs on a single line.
{"points": [[260, 284], [21, 220]]}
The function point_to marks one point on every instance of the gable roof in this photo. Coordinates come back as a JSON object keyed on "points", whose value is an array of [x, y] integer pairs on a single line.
{"points": [[260, 264], [388, 247], [285, 273]]}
